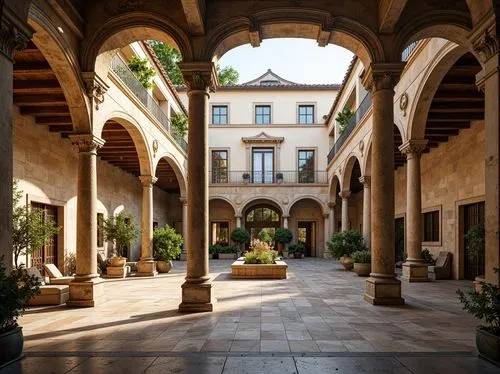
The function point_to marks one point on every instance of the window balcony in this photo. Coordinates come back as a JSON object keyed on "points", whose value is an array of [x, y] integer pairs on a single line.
{"points": [[268, 177], [120, 68]]}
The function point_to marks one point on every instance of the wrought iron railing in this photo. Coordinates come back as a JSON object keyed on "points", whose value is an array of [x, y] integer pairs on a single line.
{"points": [[125, 74], [268, 177], [353, 121], [405, 55]]}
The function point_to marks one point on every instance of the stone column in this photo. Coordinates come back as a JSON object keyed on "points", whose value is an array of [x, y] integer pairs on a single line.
{"points": [[14, 35], [238, 221], [485, 42], [345, 209], [197, 289], [367, 196], [414, 269], [146, 267], [184, 228], [86, 290], [285, 221], [332, 218], [382, 287]]}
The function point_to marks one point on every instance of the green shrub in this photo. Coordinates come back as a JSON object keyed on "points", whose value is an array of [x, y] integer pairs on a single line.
{"points": [[475, 241], [167, 243], [345, 243], [240, 236], [213, 248], [142, 71], [484, 305], [428, 257], [227, 249], [362, 257], [266, 235], [261, 253], [179, 124], [297, 248], [283, 235], [122, 230], [15, 291]]}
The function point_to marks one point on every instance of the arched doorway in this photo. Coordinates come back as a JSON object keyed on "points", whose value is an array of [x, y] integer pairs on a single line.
{"points": [[261, 221]]}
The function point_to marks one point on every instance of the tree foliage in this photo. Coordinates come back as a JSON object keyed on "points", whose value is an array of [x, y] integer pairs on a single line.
{"points": [[227, 75], [475, 241], [30, 229], [142, 70], [343, 119], [283, 235], [179, 125], [345, 243], [166, 243], [240, 236], [120, 229]]}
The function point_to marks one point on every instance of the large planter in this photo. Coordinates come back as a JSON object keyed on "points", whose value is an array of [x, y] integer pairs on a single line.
{"points": [[488, 345], [163, 266], [117, 262], [346, 262], [240, 270], [227, 256], [11, 343], [363, 270]]}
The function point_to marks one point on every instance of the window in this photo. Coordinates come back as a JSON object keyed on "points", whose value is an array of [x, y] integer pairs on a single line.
{"points": [[262, 165], [430, 226], [306, 166], [306, 114], [220, 233], [219, 115], [219, 167], [263, 114], [100, 230]]}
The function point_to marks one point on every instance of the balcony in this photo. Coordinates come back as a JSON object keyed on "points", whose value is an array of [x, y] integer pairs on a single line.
{"points": [[121, 69], [353, 122], [268, 178]]}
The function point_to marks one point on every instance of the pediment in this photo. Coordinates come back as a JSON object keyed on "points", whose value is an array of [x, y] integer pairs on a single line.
{"points": [[263, 138]]}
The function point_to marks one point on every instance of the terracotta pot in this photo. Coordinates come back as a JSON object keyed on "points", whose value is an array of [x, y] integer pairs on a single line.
{"points": [[346, 262], [363, 270], [12, 345], [297, 255], [488, 345], [163, 266], [117, 262]]}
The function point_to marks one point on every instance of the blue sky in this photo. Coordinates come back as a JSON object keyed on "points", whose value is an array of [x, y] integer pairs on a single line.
{"points": [[298, 60]]}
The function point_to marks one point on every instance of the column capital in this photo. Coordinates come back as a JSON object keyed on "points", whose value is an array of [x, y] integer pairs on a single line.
{"points": [[382, 76], [148, 180], [344, 194], [86, 142], [14, 33], [326, 215], [285, 216], [183, 200], [95, 86], [199, 75], [332, 205], [413, 147], [365, 180], [238, 216], [485, 42]]}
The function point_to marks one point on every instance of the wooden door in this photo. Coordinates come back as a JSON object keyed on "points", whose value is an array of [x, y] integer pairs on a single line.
{"points": [[48, 253]]}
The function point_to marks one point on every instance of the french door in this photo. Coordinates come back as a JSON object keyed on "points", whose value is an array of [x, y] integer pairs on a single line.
{"points": [[473, 214], [48, 253], [262, 165]]}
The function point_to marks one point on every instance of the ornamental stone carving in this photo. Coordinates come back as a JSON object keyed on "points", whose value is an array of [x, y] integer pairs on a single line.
{"points": [[147, 180], [87, 142], [486, 45], [365, 180], [198, 76], [14, 36], [96, 87], [383, 76], [403, 103], [413, 148]]}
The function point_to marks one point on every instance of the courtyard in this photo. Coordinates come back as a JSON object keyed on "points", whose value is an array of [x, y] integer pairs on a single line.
{"points": [[314, 321]]}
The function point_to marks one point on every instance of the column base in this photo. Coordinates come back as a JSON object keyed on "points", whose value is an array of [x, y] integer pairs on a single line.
{"points": [[383, 291], [415, 272], [197, 297], [116, 271], [86, 293], [146, 268]]}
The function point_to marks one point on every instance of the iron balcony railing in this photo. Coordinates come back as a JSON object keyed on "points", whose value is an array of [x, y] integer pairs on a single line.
{"points": [[125, 74], [268, 177], [355, 119]]}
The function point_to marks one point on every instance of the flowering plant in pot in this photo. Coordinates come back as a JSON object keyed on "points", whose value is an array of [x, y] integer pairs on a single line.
{"points": [[343, 244], [166, 247], [121, 230], [485, 305], [16, 289], [362, 262], [260, 253]]}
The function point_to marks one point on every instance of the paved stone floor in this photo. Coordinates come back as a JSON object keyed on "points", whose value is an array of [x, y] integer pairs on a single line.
{"points": [[315, 321]]}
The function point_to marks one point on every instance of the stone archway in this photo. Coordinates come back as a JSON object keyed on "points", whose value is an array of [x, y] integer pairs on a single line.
{"points": [[308, 225]]}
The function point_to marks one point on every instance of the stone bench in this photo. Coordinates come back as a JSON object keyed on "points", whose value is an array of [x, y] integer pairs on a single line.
{"points": [[51, 294]]}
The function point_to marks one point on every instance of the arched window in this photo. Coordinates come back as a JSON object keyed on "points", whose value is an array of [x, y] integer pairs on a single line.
{"points": [[262, 221]]}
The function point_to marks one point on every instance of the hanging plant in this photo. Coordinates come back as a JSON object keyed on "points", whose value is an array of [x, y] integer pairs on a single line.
{"points": [[142, 71], [343, 119]]}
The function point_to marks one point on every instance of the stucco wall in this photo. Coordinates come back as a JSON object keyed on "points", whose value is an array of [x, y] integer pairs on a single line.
{"points": [[452, 175], [46, 167]]}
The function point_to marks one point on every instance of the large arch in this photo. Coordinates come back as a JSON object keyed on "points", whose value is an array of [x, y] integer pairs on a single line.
{"points": [[432, 78], [225, 199], [138, 136], [347, 172], [257, 200], [295, 23], [100, 47], [334, 186], [181, 177], [64, 64], [317, 200]]}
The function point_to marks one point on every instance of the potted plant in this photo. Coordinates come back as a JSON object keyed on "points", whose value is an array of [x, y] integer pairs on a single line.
{"points": [[246, 178], [240, 236], [214, 249], [475, 247], [227, 252], [167, 245], [16, 289], [282, 236], [297, 250], [342, 244], [30, 231], [428, 257], [260, 253], [279, 177], [362, 262], [485, 305], [122, 230]]}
